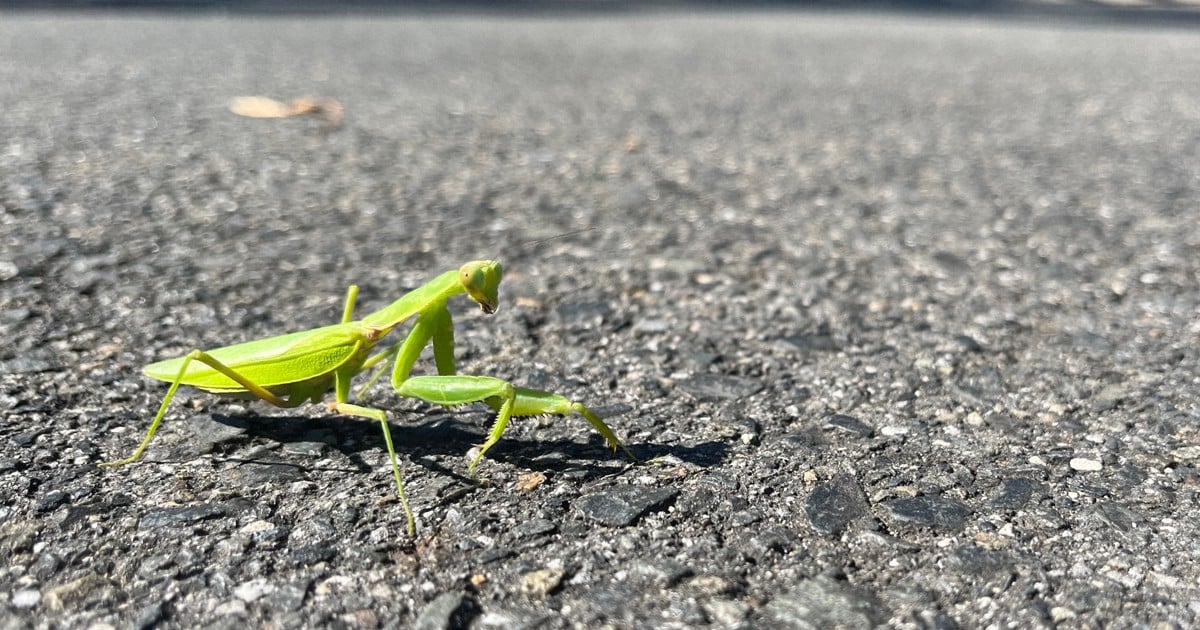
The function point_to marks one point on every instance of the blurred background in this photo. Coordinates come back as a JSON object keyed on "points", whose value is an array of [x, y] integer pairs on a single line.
{"points": [[1165, 10]]}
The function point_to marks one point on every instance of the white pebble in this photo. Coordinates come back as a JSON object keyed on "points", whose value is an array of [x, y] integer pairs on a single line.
{"points": [[26, 598]]}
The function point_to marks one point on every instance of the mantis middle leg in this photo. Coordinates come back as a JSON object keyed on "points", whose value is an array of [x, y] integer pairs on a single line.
{"points": [[342, 395]]}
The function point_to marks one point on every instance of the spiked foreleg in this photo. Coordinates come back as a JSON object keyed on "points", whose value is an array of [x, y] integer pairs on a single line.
{"points": [[533, 402], [434, 325], [507, 400]]}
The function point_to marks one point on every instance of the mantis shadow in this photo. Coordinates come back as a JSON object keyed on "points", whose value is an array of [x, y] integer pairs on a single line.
{"points": [[440, 435]]}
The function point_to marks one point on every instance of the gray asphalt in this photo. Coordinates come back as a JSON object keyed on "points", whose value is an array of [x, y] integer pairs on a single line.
{"points": [[899, 313]]}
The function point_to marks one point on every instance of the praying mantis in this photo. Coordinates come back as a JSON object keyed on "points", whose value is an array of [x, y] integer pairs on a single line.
{"points": [[289, 370]]}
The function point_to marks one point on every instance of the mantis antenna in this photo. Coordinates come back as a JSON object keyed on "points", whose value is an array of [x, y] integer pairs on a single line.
{"points": [[550, 238]]}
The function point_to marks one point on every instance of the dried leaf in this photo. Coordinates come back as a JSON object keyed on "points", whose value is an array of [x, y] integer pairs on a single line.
{"points": [[263, 107], [530, 481], [260, 107]]}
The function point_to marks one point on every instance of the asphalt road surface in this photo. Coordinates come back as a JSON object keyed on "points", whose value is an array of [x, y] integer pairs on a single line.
{"points": [[899, 313]]}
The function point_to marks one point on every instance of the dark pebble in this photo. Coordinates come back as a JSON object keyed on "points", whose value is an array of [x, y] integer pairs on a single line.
{"points": [[824, 602], [929, 511], [849, 424], [978, 561], [1129, 477], [805, 439], [935, 620], [188, 564], [149, 617], [271, 535], [14, 315], [534, 527], [1046, 519], [768, 541], [312, 554], [748, 428], [180, 515], [260, 474], [1119, 517], [1014, 493], [624, 505], [119, 499], [86, 447], [27, 438], [74, 515], [715, 387], [1108, 398], [699, 361], [306, 449], [742, 518], [495, 554], [45, 566], [651, 326], [1094, 490], [51, 501], [833, 506], [449, 610]]}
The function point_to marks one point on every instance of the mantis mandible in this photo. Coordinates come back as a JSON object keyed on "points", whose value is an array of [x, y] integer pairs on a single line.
{"points": [[289, 370]]}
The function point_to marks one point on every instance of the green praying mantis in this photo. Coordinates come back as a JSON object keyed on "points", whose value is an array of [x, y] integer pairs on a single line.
{"points": [[289, 370]]}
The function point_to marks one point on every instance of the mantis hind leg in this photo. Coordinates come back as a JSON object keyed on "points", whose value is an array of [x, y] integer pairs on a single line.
{"points": [[209, 360], [507, 400]]}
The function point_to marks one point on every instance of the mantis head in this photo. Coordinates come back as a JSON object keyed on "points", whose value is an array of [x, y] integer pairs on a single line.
{"points": [[481, 279]]}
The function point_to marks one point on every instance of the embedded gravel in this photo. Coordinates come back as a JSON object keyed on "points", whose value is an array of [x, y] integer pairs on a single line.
{"points": [[900, 314]]}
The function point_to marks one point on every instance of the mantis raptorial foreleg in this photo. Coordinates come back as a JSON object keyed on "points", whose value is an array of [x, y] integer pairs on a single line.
{"points": [[509, 401], [437, 326]]}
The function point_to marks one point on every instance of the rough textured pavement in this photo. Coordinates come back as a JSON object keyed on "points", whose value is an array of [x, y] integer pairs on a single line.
{"points": [[900, 314]]}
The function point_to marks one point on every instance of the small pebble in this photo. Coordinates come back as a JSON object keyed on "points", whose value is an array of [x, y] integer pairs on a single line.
{"points": [[26, 598], [1186, 453], [1084, 464], [849, 424], [253, 590], [542, 581]]}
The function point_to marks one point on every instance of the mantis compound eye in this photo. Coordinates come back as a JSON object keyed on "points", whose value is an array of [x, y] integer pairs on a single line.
{"points": [[481, 281]]}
